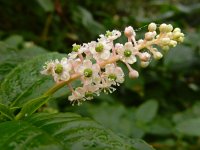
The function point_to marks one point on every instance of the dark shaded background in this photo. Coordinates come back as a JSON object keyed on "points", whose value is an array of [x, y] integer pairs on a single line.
{"points": [[172, 85]]}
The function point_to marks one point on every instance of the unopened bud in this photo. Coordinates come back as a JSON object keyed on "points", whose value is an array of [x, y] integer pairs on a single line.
{"points": [[177, 30], [173, 43], [152, 27], [129, 31], [144, 64], [133, 74], [149, 36], [145, 56], [165, 41], [157, 55], [169, 28], [140, 41], [163, 27]]}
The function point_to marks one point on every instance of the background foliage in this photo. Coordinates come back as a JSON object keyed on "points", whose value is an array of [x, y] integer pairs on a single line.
{"points": [[161, 106]]}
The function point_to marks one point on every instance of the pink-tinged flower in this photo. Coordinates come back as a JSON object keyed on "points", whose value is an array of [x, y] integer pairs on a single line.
{"points": [[101, 50], [88, 71], [61, 70], [127, 53], [87, 92], [77, 96], [77, 50], [48, 68], [114, 75]]}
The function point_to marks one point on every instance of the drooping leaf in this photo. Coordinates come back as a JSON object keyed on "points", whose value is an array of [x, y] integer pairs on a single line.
{"points": [[147, 111], [63, 131], [25, 82]]}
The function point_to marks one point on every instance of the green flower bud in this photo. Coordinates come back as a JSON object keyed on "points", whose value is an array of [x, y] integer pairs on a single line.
{"points": [[59, 69], [127, 53], [99, 47], [88, 72]]}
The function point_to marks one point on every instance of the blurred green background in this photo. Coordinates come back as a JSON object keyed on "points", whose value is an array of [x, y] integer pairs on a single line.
{"points": [[162, 106]]}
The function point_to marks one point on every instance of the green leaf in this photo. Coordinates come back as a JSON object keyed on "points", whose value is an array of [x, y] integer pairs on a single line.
{"points": [[47, 5], [10, 57], [147, 111], [63, 131], [5, 111], [25, 82], [189, 127]]}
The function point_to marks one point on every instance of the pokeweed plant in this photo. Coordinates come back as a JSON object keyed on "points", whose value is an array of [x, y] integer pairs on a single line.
{"points": [[95, 66], [95, 63]]}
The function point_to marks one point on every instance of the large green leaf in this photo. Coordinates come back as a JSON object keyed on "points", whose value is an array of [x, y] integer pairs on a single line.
{"points": [[63, 131], [11, 56], [25, 81]]}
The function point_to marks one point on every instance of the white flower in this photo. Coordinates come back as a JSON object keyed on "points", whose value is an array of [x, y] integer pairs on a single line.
{"points": [[77, 96], [101, 50], [48, 68], [89, 71], [110, 36], [61, 71], [76, 50], [127, 53], [114, 75], [86, 92]]}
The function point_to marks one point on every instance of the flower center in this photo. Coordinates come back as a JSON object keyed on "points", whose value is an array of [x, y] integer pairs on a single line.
{"points": [[88, 72], [112, 77], [108, 33], [76, 48], [99, 47], [127, 53], [88, 94], [59, 69]]}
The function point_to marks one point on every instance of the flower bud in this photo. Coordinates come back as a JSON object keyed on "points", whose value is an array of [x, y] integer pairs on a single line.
{"points": [[140, 41], [149, 36], [181, 39], [145, 56], [177, 30], [165, 48], [157, 55], [169, 28], [144, 64], [173, 43], [152, 27], [129, 31], [163, 27], [165, 41], [133, 74]]}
